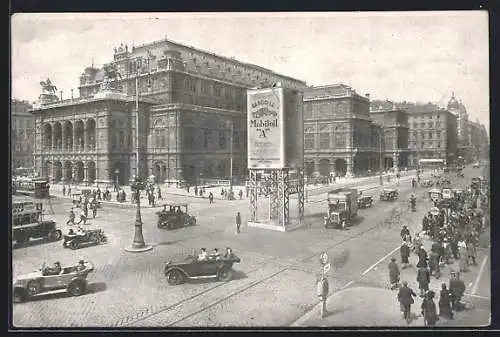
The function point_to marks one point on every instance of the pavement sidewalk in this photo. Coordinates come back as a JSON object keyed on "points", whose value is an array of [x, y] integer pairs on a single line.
{"points": [[367, 307]]}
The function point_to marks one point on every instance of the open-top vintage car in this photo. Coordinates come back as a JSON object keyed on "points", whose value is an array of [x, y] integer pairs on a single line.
{"points": [[220, 267], [389, 194], [365, 201], [85, 238], [435, 194], [427, 183], [172, 216], [72, 279]]}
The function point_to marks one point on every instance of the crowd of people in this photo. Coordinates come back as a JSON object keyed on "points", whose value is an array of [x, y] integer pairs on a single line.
{"points": [[454, 226]]}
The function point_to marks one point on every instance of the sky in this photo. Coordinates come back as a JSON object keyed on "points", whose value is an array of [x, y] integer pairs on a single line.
{"points": [[412, 56]]}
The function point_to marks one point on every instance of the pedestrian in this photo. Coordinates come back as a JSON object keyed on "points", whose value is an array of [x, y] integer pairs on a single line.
{"points": [[238, 223], [211, 198], [99, 196], [462, 250], [405, 298], [196, 190], [434, 264], [471, 253], [429, 309], [222, 192], [247, 189], [71, 218], [158, 190], [64, 190], [457, 290], [445, 303], [85, 209], [69, 190], [94, 210], [83, 218], [405, 254], [152, 200], [240, 193], [322, 292], [393, 274], [422, 258], [423, 279]]}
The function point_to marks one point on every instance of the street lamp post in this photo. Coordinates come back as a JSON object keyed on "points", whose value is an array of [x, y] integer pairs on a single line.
{"points": [[138, 245], [117, 173], [380, 159], [230, 195]]}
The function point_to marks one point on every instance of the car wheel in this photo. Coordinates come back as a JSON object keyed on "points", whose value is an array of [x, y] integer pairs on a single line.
{"points": [[74, 245], [225, 274], [103, 239], [192, 221], [55, 235], [77, 288], [19, 295], [33, 287], [174, 277]]}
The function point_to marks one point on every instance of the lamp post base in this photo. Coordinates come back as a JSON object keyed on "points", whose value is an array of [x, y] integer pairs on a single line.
{"points": [[139, 249]]}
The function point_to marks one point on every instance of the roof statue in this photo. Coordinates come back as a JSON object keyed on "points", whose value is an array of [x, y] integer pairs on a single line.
{"points": [[111, 73], [48, 87]]}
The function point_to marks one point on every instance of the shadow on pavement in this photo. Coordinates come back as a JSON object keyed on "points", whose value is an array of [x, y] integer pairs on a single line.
{"points": [[96, 287], [338, 311]]}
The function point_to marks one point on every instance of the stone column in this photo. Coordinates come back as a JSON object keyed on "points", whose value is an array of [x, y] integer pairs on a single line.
{"points": [[85, 173], [75, 142], [64, 173], [63, 138], [395, 160], [75, 172], [53, 172], [53, 138], [85, 137], [348, 167]]}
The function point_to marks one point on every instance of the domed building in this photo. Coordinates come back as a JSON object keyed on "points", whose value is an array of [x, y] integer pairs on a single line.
{"points": [[458, 109]]}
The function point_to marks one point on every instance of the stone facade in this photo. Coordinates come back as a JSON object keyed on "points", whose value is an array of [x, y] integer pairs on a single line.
{"points": [[189, 98], [338, 132], [395, 128], [22, 134]]}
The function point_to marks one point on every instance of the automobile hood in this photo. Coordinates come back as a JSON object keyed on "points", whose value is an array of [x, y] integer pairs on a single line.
{"points": [[180, 261]]}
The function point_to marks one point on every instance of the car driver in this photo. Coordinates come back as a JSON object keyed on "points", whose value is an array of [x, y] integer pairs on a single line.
{"points": [[81, 265], [203, 255], [52, 270], [229, 253], [215, 254]]}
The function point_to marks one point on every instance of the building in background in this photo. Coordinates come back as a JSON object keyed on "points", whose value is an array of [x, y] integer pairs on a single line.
{"points": [[189, 101], [22, 134], [338, 132], [432, 132], [477, 140], [394, 122]]}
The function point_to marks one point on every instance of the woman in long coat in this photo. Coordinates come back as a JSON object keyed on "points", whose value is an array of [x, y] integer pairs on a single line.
{"points": [[429, 309], [422, 258], [393, 274], [445, 303], [423, 279]]}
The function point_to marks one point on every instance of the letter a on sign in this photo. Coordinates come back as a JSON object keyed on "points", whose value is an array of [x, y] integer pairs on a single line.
{"points": [[262, 133]]}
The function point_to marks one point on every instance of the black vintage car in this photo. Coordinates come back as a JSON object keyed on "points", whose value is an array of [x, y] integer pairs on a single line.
{"points": [[192, 268], [173, 216], [365, 201], [389, 194], [43, 229], [88, 237]]}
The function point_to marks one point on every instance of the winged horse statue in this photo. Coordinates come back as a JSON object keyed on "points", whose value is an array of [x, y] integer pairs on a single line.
{"points": [[48, 87]]}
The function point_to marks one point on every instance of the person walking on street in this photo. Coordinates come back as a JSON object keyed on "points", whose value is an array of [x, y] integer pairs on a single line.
{"points": [[71, 218], [83, 218], [457, 290], [238, 222], [423, 279], [322, 292], [211, 198], [69, 190], [158, 190], [64, 190], [405, 255], [393, 274], [405, 298], [422, 258], [94, 209], [429, 309], [445, 303], [240, 193]]}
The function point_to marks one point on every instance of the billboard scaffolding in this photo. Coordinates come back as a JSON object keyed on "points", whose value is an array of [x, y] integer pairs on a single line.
{"points": [[275, 155]]}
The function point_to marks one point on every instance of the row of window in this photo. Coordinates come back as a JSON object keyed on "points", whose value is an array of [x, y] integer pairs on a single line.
{"points": [[421, 145], [205, 138], [324, 141], [22, 123], [212, 89], [422, 135], [430, 125]]}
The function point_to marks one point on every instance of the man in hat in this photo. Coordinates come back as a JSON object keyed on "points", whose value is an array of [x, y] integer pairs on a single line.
{"points": [[81, 265], [393, 273], [445, 303], [322, 292], [71, 217], [405, 298], [238, 222], [423, 279], [422, 257], [429, 309], [405, 232], [457, 290], [405, 254]]}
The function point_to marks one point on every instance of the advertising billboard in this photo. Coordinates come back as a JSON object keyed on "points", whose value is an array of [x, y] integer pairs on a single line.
{"points": [[275, 128]]}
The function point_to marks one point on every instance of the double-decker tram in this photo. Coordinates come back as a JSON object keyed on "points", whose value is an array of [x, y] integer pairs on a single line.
{"points": [[34, 187]]}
